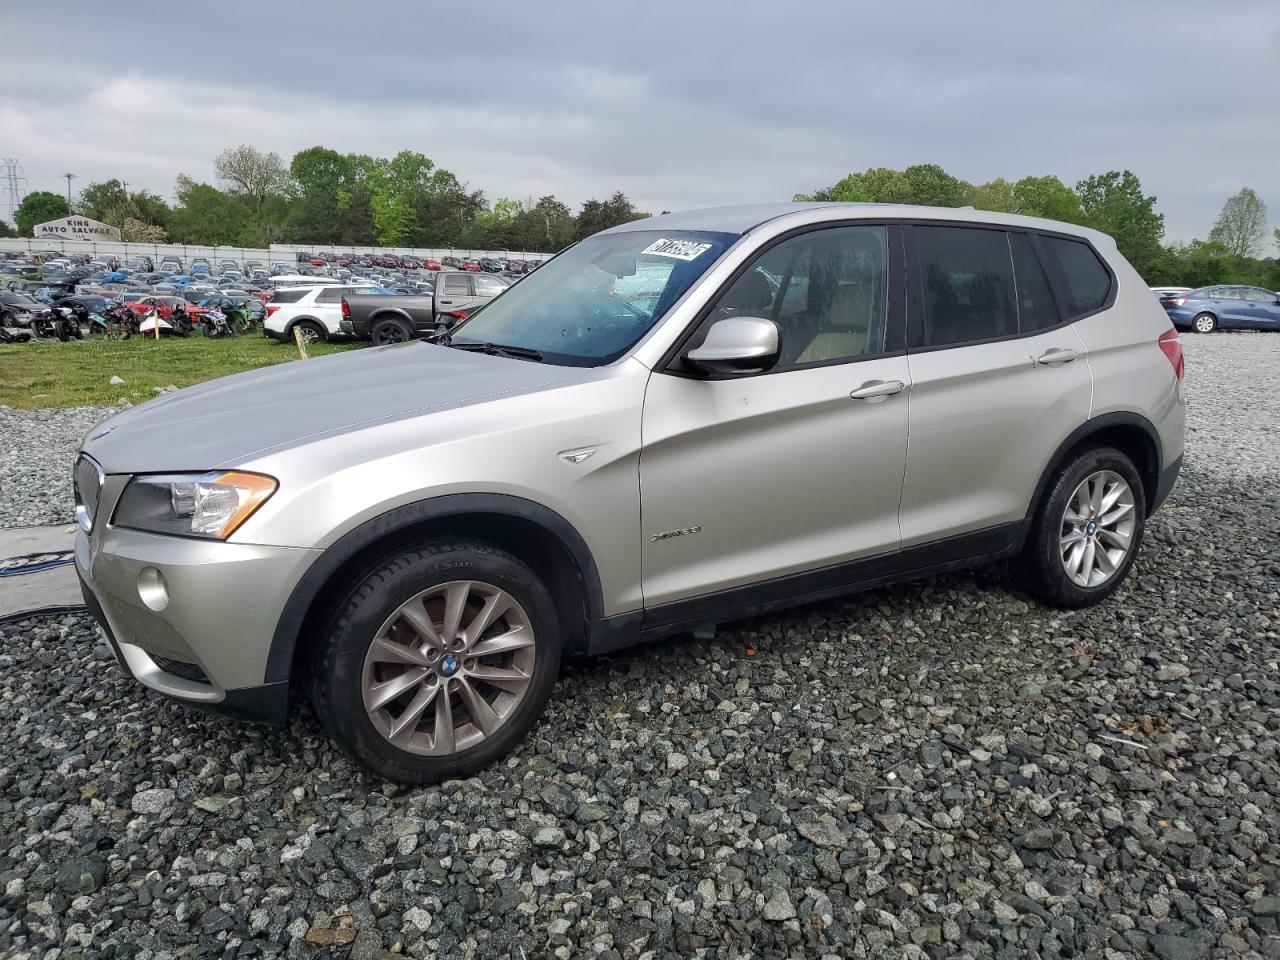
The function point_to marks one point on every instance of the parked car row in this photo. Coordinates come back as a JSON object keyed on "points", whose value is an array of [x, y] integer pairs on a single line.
{"points": [[407, 261], [1226, 307]]}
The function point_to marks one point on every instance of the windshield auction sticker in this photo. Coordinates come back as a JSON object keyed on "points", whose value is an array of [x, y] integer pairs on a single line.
{"points": [[679, 249]]}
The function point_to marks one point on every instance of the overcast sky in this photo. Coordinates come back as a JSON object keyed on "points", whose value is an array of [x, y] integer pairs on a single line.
{"points": [[679, 105]]}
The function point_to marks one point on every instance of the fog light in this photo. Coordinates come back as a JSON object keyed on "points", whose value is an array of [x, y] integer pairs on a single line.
{"points": [[152, 589]]}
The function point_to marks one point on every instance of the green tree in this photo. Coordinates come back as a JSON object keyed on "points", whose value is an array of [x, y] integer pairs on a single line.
{"points": [[39, 207], [1242, 224], [252, 174], [597, 215], [1047, 197], [996, 195], [6, 230], [875, 185], [1114, 203], [100, 200], [930, 185], [207, 215], [133, 230], [547, 226]]}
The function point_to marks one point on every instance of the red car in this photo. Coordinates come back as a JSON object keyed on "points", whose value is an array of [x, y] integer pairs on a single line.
{"points": [[430, 264], [163, 305], [317, 261], [472, 266]]}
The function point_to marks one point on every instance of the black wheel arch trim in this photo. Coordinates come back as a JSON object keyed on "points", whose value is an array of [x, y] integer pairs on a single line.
{"points": [[1084, 432], [308, 589]]}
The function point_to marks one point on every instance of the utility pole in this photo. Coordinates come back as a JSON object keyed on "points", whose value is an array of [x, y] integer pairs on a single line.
{"points": [[70, 177]]}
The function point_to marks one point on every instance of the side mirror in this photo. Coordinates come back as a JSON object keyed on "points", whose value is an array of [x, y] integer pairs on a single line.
{"points": [[737, 345]]}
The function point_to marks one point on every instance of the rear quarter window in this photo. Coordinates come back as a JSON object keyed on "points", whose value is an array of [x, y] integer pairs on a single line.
{"points": [[286, 296], [1088, 280]]}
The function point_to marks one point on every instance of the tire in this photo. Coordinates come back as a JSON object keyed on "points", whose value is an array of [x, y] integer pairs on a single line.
{"points": [[348, 667], [312, 332], [390, 330], [1045, 559], [1204, 323]]}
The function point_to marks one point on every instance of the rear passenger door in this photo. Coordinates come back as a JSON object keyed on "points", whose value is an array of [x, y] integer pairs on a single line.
{"points": [[1233, 308], [998, 378], [453, 291]]}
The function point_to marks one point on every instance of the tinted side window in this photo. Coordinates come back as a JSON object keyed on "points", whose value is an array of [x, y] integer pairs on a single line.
{"points": [[1259, 296], [826, 291], [286, 296], [966, 277], [330, 295], [1088, 283], [1036, 309], [488, 287]]}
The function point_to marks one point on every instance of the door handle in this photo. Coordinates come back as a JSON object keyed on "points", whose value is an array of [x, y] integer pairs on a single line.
{"points": [[876, 390], [1055, 356]]}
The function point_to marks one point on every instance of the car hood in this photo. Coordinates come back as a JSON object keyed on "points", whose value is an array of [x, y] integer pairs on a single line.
{"points": [[224, 423]]}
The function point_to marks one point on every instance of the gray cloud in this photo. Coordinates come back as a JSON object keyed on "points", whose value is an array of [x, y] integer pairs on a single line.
{"points": [[678, 104]]}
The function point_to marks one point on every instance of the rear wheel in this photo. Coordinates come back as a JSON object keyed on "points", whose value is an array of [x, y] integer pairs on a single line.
{"points": [[310, 331], [1204, 323], [390, 330], [1087, 531], [438, 663]]}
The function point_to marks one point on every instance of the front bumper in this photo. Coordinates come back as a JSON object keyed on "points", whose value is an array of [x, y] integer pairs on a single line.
{"points": [[192, 619]]}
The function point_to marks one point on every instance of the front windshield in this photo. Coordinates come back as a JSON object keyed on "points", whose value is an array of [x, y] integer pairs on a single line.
{"points": [[592, 303]]}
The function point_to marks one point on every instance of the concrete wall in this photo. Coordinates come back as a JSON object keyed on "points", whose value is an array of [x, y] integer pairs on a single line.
{"points": [[278, 251]]}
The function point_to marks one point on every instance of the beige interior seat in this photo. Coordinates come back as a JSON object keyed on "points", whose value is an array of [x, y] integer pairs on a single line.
{"points": [[847, 332]]}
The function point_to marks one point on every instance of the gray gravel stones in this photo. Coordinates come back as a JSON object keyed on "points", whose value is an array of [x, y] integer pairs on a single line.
{"points": [[938, 769], [37, 448]]}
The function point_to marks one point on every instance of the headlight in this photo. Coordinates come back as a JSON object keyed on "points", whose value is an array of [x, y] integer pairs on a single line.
{"points": [[209, 505]]}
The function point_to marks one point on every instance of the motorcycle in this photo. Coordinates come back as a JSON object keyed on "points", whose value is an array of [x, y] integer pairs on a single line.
{"points": [[177, 324], [71, 317], [115, 323], [216, 325]]}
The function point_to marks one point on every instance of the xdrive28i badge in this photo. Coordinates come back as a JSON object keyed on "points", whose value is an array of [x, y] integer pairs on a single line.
{"points": [[682, 532]]}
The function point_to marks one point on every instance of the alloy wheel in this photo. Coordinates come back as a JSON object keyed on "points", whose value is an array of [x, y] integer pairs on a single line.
{"points": [[1097, 528], [448, 668], [1204, 324]]}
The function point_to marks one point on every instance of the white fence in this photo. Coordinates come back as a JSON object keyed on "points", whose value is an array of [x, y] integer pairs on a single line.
{"points": [[123, 251], [288, 251], [279, 251]]}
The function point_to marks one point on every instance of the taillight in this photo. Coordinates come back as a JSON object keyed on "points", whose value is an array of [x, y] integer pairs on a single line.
{"points": [[456, 314], [272, 308], [1177, 301], [346, 309], [1171, 346]]}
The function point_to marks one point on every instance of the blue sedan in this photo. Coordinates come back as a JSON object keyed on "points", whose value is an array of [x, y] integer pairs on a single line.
{"points": [[1208, 308]]}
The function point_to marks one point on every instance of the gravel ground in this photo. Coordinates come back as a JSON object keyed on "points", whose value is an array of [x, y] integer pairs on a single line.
{"points": [[37, 448], [939, 769]]}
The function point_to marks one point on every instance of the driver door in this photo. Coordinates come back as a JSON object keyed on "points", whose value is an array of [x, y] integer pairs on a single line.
{"points": [[749, 478]]}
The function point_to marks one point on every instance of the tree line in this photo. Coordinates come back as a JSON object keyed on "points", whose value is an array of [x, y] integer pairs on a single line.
{"points": [[1113, 202], [325, 197]]}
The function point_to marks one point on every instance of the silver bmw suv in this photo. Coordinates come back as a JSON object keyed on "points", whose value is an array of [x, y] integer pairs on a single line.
{"points": [[677, 422]]}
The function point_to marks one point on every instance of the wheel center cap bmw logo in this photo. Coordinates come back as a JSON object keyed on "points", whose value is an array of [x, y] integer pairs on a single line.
{"points": [[449, 666], [1091, 528]]}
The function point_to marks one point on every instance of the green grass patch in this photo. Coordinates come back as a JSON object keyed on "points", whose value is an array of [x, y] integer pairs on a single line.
{"points": [[50, 374]]}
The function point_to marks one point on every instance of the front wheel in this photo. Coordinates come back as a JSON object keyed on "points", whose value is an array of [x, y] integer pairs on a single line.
{"points": [[1087, 531], [438, 662], [1204, 323]]}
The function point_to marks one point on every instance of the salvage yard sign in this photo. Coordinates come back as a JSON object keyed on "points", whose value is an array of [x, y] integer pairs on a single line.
{"points": [[76, 228]]}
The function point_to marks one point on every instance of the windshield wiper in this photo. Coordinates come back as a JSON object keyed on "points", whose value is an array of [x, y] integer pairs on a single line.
{"points": [[496, 349]]}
